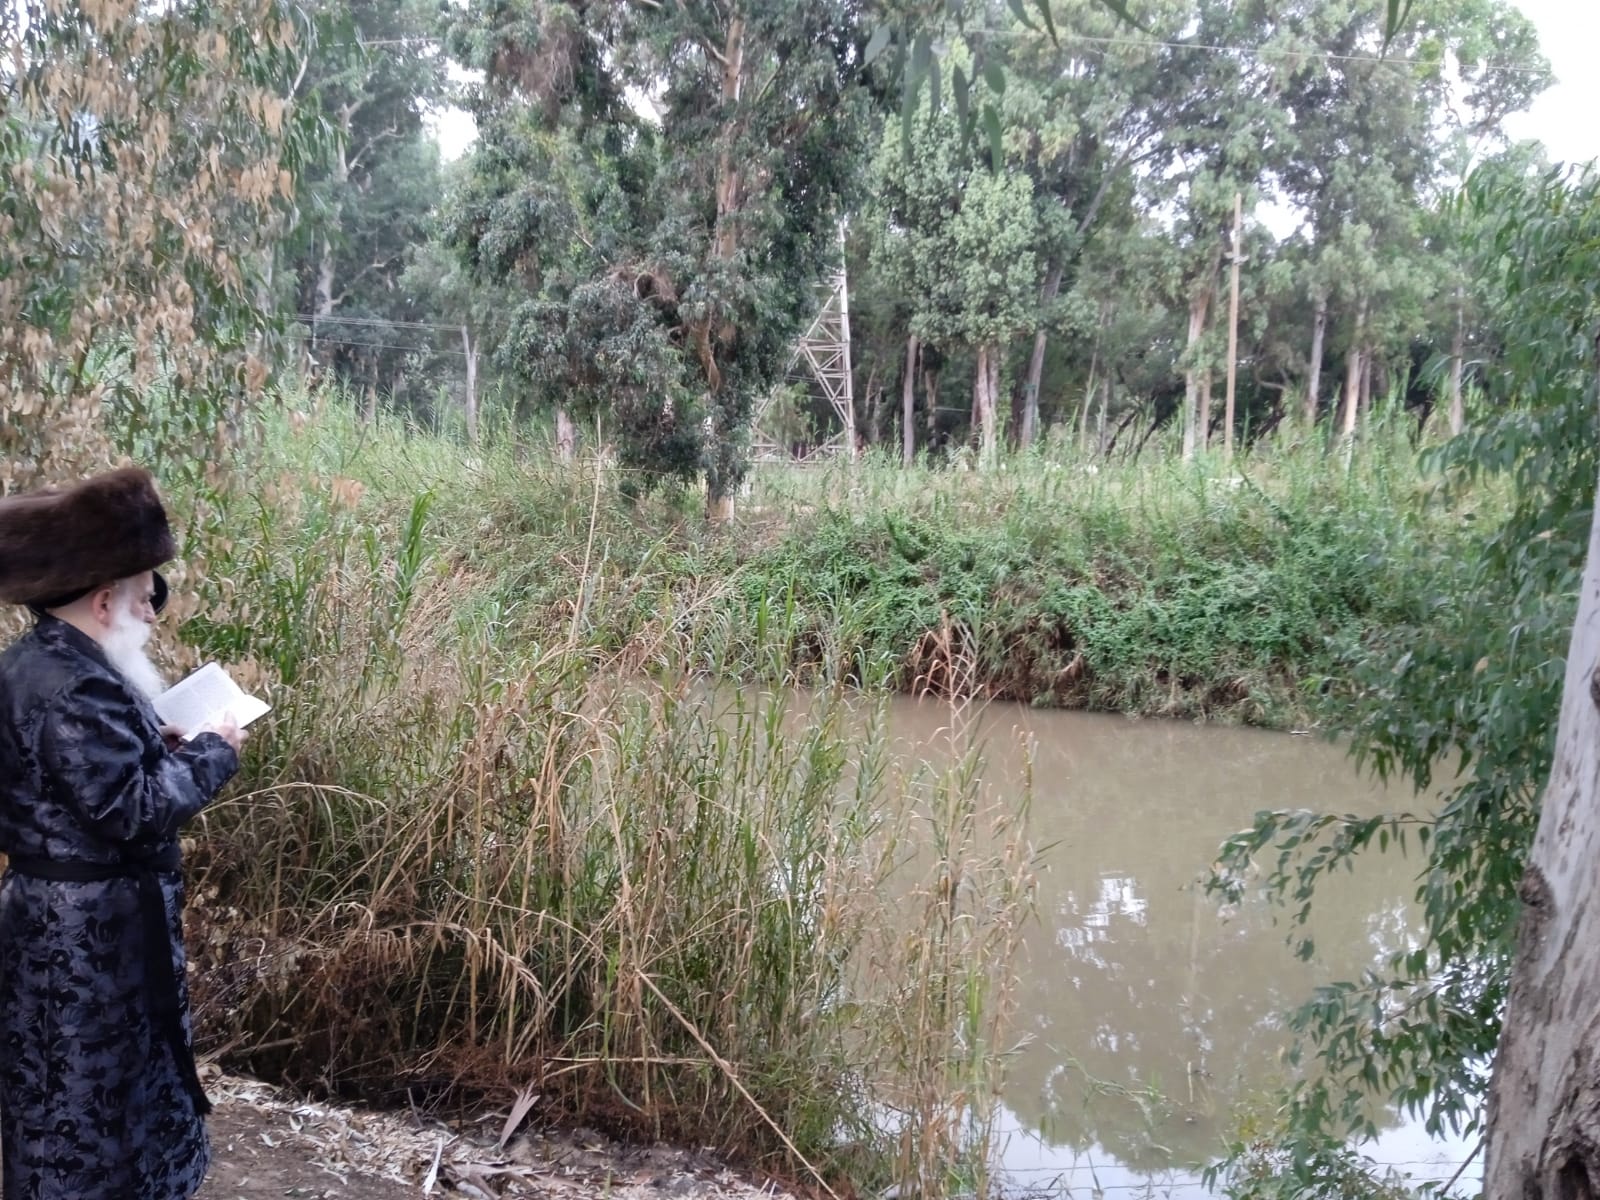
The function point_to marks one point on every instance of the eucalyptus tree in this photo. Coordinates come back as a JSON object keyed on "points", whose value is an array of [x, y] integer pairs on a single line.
{"points": [[1085, 115], [1373, 142], [960, 242], [373, 71], [689, 222], [1543, 1132]]}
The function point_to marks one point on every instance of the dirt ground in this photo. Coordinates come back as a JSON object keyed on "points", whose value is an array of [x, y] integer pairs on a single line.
{"points": [[267, 1143]]}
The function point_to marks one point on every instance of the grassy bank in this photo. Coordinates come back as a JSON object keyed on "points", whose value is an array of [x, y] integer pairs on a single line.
{"points": [[1167, 590], [1158, 589], [499, 837]]}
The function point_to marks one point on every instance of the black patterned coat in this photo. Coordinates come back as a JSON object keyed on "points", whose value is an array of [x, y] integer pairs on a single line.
{"points": [[92, 1101]]}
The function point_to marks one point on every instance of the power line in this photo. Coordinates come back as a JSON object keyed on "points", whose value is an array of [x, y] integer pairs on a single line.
{"points": [[1091, 40], [315, 319], [1259, 51], [332, 341]]}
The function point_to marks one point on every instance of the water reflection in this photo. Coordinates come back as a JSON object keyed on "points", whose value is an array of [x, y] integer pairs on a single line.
{"points": [[1153, 1016]]}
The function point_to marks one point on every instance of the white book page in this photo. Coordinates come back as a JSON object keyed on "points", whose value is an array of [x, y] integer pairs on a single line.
{"points": [[205, 699]]}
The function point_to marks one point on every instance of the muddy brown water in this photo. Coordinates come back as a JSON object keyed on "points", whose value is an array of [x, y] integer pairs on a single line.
{"points": [[1153, 1016]]}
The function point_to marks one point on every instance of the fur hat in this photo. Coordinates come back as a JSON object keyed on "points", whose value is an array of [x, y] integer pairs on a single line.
{"points": [[58, 543]]}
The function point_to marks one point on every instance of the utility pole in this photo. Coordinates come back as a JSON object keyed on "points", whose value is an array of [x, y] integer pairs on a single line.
{"points": [[1233, 328]]}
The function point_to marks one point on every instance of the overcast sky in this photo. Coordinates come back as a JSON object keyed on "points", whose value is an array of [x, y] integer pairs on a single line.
{"points": [[1566, 118]]}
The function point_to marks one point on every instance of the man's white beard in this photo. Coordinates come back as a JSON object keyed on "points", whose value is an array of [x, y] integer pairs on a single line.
{"points": [[124, 645]]}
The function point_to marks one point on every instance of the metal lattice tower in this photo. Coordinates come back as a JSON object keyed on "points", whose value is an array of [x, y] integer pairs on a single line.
{"points": [[824, 349]]}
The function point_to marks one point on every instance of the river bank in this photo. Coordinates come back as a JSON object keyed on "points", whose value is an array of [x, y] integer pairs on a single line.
{"points": [[1153, 589], [268, 1142]]}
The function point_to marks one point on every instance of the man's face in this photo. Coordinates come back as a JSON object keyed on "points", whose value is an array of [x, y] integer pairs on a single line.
{"points": [[135, 599], [129, 620]]}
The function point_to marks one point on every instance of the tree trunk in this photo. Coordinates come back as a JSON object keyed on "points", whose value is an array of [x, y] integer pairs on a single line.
{"points": [[908, 404], [1366, 386], [874, 408], [1352, 373], [1105, 403], [322, 304], [1199, 316], [1233, 326], [995, 354], [980, 378], [930, 386], [1544, 1101], [1198, 305], [1203, 421], [1319, 329], [988, 387], [566, 435], [470, 348], [1088, 399], [1029, 427], [1458, 349], [1352, 389], [724, 246]]}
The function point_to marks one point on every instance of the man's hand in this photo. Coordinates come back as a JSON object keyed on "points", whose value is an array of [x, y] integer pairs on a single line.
{"points": [[228, 730], [172, 736]]}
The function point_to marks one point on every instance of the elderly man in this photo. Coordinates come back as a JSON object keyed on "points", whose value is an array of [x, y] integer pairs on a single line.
{"points": [[98, 1092]]}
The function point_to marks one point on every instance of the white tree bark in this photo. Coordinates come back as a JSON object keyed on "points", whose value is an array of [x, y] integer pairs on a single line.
{"points": [[1030, 404], [1352, 374], [1544, 1102], [1191, 374], [470, 349], [908, 405], [1458, 350], [1319, 330], [1088, 399], [988, 407], [566, 435], [1236, 253], [322, 302]]}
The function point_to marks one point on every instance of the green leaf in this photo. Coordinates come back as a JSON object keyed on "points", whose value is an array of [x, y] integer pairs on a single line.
{"points": [[1021, 13], [995, 76], [908, 113], [991, 122], [1049, 21], [1399, 10], [1120, 7], [921, 49], [963, 91], [876, 44], [921, 57], [933, 92]]}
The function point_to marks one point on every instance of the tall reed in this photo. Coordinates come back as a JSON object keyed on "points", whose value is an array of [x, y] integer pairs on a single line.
{"points": [[483, 844]]}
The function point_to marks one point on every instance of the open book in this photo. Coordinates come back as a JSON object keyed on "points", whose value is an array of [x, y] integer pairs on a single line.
{"points": [[205, 699]]}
